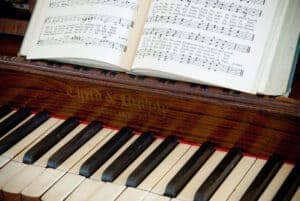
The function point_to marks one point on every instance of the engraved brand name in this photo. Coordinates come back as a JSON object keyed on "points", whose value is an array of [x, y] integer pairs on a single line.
{"points": [[110, 97]]}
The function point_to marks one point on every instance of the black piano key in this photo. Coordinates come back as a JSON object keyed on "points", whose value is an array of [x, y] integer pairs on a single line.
{"points": [[5, 110], [263, 179], [127, 157], [35, 152], [189, 169], [13, 120], [69, 148], [21, 132], [219, 174], [105, 152], [289, 186], [153, 160]]}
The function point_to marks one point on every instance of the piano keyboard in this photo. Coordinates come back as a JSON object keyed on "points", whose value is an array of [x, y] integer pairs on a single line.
{"points": [[46, 158]]}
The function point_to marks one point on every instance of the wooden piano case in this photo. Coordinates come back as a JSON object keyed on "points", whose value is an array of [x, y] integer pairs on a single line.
{"points": [[258, 124]]}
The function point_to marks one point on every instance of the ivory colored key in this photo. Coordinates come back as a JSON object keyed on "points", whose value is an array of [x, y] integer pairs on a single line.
{"points": [[275, 184], [74, 144], [65, 186], [162, 184], [105, 152], [263, 179], [43, 146], [43, 160], [3, 161], [155, 197], [85, 190], [290, 185], [8, 115], [41, 184], [8, 171], [25, 129], [127, 157], [4, 110], [189, 169], [108, 192], [121, 180], [132, 194], [296, 197], [13, 120], [152, 161], [188, 192], [17, 126], [233, 179], [76, 168], [12, 190], [98, 174], [246, 181], [18, 151], [153, 178]]}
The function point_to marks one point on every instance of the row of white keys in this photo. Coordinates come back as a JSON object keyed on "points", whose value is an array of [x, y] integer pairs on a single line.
{"points": [[71, 180], [50, 176], [19, 147], [29, 172]]}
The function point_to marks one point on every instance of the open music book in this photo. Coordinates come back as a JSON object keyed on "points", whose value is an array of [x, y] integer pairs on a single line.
{"points": [[246, 45]]}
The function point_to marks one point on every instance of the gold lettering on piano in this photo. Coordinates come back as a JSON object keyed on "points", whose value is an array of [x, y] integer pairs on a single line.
{"points": [[118, 99]]}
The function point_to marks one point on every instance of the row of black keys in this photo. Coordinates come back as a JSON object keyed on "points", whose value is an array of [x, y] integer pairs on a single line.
{"points": [[205, 191]]}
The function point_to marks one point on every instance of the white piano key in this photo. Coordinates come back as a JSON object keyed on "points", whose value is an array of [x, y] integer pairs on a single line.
{"points": [[247, 180], [158, 173], [84, 149], [20, 156], [22, 179], [29, 139], [60, 190], [8, 171], [42, 183], [276, 182], [85, 190], [155, 197], [132, 194], [44, 159], [161, 186], [188, 192], [108, 192], [121, 180], [75, 169], [3, 161], [8, 115], [97, 175], [17, 126], [296, 197], [233, 179]]}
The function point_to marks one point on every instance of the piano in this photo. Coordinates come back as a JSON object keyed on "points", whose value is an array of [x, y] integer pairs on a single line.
{"points": [[73, 133]]}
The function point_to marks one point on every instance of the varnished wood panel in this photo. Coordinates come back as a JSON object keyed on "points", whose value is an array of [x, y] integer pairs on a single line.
{"points": [[260, 125]]}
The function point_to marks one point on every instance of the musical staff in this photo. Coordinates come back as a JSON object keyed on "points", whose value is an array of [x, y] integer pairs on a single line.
{"points": [[226, 6], [207, 26], [91, 30], [161, 33], [182, 58], [70, 3], [86, 41]]}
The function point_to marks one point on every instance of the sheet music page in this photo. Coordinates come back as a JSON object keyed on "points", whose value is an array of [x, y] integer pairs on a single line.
{"points": [[96, 30], [218, 42]]}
